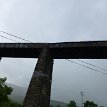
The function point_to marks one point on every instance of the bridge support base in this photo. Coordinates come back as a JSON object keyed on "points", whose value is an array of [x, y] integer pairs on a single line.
{"points": [[38, 94]]}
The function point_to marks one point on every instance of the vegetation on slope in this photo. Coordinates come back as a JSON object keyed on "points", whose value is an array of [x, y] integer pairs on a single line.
{"points": [[4, 92]]}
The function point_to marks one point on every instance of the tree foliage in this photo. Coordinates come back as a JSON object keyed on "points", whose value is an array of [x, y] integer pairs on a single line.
{"points": [[4, 90], [9, 104], [71, 104], [90, 104]]}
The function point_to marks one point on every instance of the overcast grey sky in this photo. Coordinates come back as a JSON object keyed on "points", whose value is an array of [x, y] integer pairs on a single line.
{"points": [[57, 21]]}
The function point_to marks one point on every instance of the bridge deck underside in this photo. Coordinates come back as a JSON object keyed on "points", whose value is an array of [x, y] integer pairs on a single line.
{"points": [[67, 50]]}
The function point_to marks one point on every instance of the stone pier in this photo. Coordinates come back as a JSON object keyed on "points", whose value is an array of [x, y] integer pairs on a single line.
{"points": [[38, 94]]}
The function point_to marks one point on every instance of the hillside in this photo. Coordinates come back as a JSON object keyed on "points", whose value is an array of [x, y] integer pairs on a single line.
{"points": [[55, 103], [18, 95]]}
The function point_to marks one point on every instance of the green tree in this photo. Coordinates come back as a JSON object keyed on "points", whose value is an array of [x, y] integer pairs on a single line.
{"points": [[71, 104], [4, 90], [90, 104]]}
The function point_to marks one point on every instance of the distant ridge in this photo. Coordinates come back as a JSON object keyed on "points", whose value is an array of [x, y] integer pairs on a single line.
{"points": [[18, 95]]}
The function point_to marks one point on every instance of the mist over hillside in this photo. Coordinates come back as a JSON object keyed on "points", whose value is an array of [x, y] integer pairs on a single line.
{"points": [[57, 96], [19, 93]]}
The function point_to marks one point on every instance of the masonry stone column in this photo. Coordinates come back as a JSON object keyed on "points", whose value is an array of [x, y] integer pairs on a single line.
{"points": [[38, 94]]}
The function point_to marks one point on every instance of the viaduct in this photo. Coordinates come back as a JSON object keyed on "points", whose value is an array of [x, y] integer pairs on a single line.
{"points": [[38, 93]]}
